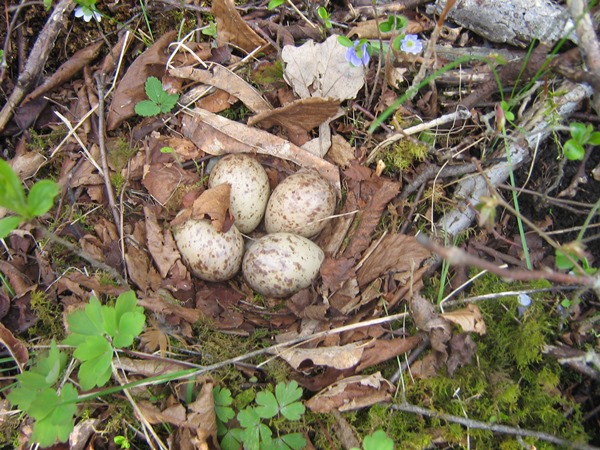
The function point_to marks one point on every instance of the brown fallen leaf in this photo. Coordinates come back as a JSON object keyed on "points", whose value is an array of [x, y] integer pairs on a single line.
{"points": [[469, 319], [130, 89], [427, 319], [334, 272], [352, 393], [462, 350], [201, 418], [15, 347], [396, 254], [298, 117], [379, 350], [226, 80], [214, 203], [375, 194], [233, 29], [338, 357], [163, 179], [217, 135], [161, 244], [67, 70], [341, 152], [175, 414]]}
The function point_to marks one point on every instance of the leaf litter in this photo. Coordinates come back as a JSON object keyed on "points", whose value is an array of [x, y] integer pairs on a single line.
{"points": [[372, 268]]}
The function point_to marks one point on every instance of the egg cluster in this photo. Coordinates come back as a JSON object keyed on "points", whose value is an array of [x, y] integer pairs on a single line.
{"points": [[279, 263]]}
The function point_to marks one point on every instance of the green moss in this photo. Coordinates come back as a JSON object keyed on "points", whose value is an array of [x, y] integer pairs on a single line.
{"points": [[403, 154], [47, 313]]}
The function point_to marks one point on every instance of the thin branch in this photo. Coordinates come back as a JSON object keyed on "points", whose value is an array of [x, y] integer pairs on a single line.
{"points": [[495, 428]]}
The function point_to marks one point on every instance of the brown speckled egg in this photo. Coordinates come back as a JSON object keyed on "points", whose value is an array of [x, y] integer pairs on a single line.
{"points": [[249, 188], [209, 254], [280, 264], [299, 204]]}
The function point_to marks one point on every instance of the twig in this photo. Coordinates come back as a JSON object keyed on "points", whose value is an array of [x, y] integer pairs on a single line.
{"points": [[84, 255], [588, 41], [495, 428], [36, 61], [101, 143], [456, 256]]}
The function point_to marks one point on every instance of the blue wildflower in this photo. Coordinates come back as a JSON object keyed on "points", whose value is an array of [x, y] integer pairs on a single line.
{"points": [[358, 56], [411, 44]]}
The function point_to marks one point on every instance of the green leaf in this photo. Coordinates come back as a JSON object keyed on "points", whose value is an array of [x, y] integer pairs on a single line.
{"points": [[210, 30], [394, 23], [154, 89], [41, 197], [322, 13], [96, 355], [86, 322], [294, 441], [52, 364], [168, 102], [595, 138], [147, 108], [275, 3], [267, 405], [562, 261], [12, 195], [47, 4], [8, 224], [233, 439], [222, 400], [573, 150], [57, 422], [346, 42], [580, 132], [130, 326], [378, 441], [287, 396]]}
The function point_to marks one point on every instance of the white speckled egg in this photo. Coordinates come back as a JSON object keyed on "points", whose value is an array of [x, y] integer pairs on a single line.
{"points": [[280, 264], [209, 254], [249, 188], [299, 204]]}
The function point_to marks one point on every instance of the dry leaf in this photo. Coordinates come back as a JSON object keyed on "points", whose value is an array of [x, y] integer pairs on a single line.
{"points": [[226, 80], [352, 393], [15, 347], [341, 152], [161, 244], [162, 180], [469, 319], [369, 29], [67, 70], [214, 203], [233, 29], [174, 414], [321, 70], [395, 254], [462, 349], [304, 114], [343, 357], [217, 135], [379, 350], [335, 272]]}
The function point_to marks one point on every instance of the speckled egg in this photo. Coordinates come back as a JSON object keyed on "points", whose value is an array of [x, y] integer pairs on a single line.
{"points": [[249, 188], [299, 204], [210, 255], [280, 264]]}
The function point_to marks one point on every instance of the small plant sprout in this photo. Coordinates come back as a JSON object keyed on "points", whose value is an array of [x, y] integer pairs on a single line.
{"points": [[159, 100], [275, 3], [122, 442], [573, 251], [377, 441], [86, 9], [254, 433], [396, 23], [325, 16], [26, 207], [95, 332], [411, 44], [581, 135]]}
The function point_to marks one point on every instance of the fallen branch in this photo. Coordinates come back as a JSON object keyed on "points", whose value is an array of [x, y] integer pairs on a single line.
{"points": [[36, 61], [495, 428]]}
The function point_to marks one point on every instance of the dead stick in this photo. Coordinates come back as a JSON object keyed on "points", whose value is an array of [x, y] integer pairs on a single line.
{"points": [[495, 428], [36, 61], [458, 257]]}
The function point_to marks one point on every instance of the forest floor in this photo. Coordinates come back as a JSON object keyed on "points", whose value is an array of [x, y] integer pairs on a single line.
{"points": [[456, 302]]}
